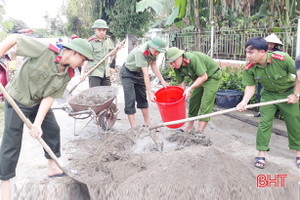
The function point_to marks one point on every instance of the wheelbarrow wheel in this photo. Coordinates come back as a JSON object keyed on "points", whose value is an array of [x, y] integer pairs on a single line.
{"points": [[108, 117]]}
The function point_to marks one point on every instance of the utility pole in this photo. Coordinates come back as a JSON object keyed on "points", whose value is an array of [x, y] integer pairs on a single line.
{"points": [[298, 38], [212, 23]]}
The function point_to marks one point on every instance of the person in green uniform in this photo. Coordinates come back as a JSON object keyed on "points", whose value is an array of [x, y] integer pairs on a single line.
{"points": [[42, 77], [206, 76], [135, 78], [274, 70], [102, 45]]}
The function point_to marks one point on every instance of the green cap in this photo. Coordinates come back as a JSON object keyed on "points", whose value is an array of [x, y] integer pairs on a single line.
{"points": [[81, 46], [100, 23], [173, 53], [158, 44]]}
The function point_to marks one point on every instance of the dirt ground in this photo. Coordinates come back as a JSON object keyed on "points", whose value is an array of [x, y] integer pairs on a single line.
{"points": [[125, 163]]}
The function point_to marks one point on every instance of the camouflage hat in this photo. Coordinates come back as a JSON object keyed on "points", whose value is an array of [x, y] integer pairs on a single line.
{"points": [[273, 39], [81, 46], [173, 53], [158, 44], [100, 23]]}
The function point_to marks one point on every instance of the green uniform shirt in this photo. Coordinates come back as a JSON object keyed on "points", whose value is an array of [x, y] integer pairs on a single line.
{"points": [[100, 50], [39, 76], [194, 64], [139, 57], [275, 76]]}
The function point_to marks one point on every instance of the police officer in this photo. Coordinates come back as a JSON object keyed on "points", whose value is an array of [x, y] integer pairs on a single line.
{"points": [[135, 78], [273, 70], [42, 77], [206, 76], [102, 45], [273, 45]]}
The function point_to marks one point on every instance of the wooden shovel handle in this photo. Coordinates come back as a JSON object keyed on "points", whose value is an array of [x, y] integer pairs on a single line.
{"points": [[217, 113]]}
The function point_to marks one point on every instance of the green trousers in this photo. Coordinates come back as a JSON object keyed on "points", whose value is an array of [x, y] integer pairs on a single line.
{"points": [[291, 115], [203, 97]]}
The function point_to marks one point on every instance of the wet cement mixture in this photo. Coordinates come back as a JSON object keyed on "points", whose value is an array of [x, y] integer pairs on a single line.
{"points": [[90, 98]]}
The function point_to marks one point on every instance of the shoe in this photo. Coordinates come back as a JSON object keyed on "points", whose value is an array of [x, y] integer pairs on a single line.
{"points": [[180, 130], [258, 161], [257, 114], [58, 175], [298, 164]]}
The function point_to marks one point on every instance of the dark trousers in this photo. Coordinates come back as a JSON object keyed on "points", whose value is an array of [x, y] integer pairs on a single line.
{"points": [[95, 81], [12, 137], [134, 90], [259, 87]]}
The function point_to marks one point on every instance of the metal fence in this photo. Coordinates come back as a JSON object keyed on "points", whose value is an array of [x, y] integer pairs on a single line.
{"points": [[230, 43]]}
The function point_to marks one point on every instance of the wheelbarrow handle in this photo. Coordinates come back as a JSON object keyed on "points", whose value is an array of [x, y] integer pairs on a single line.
{"points": [[29, 124], [217, 113]]}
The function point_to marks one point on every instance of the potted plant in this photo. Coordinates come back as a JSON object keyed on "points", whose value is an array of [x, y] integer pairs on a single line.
{"points": [[230, 92]]}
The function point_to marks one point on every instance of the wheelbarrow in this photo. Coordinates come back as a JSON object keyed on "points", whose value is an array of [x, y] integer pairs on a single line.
{"points": [[97, 103]]}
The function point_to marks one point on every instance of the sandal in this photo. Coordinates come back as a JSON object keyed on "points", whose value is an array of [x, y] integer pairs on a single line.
{"points": [[258, 161], [298, 164]]}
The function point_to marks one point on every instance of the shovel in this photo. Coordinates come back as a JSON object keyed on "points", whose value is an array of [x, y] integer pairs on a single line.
{"points": [[100, 62], [82, 185], [217, 113]]}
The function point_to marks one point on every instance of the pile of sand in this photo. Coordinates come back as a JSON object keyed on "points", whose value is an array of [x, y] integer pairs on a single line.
{"points": [[196, 170]]}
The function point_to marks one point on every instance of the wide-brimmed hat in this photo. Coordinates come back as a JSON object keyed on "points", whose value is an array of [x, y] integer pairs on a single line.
{"points": [[81, 46], [273, 39], [100, 23], [173, 53], [158, 44]]}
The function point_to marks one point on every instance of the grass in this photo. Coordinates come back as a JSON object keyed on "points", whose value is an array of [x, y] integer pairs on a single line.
{"points": [[1, 118]]}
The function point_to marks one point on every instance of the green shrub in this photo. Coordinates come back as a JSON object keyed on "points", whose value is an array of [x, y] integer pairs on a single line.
{"points": [[231, 79]]}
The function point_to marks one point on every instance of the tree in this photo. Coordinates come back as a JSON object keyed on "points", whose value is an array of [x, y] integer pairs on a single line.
{"points": [[79, 16], [125, 20]]}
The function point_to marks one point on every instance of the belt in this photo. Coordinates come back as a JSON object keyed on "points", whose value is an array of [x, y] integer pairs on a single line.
{"points": [[140, 73], [290, 88]]}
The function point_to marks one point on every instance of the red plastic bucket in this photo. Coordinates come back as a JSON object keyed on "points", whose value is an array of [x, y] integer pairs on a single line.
{"points": [[171, 104]]}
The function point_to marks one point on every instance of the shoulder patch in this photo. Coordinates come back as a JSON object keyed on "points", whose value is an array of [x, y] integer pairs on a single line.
{"points": [[53, 48], [248, 66], [71, 74], [146, 53], [278, 57], [186, 61], [90, 38]]}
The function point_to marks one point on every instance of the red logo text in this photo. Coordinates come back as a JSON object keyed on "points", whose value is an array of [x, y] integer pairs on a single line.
{"points": [[278, 180]]}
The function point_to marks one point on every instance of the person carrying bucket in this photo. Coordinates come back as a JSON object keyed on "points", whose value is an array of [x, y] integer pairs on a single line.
{"points": [[206, 76], [43, 76], [135, 78]]}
